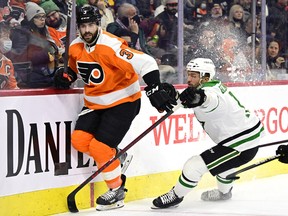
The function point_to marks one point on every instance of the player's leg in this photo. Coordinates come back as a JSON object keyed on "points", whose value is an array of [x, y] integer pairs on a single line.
{"points": [[83, 131], [115, 122], [223, 164], [191, 174]]}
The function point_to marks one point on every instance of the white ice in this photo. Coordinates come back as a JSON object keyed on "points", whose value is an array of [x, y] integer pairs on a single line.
{"points": [[261, 197]]}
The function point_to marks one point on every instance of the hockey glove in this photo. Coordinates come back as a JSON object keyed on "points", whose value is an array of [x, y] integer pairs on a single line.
{"points": [[162, 96], [192, 97], [63, 80], [283, 151]]}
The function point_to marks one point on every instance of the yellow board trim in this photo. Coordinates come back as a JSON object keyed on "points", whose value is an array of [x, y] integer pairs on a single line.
{"points": [[53, 201]]}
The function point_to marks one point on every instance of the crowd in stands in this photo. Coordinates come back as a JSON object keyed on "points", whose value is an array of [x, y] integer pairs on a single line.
{"points": [[33, 36]]}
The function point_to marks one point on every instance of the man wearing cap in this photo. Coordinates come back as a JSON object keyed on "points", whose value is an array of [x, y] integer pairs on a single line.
{"points": [[169, 23], [56, 22]]}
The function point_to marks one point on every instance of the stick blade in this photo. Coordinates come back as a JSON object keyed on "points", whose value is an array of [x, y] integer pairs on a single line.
{"points": [[71, 203], [232, 177]]}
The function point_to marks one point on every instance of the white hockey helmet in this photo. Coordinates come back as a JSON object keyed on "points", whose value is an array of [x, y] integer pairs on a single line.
{"points": [[203, 66]]}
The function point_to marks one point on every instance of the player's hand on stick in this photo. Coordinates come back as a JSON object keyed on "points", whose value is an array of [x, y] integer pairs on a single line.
{"points": [[162, 96], [192, 97], [63, 79], [283, 152]]}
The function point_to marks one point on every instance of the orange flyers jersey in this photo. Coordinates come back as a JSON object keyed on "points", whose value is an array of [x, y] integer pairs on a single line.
{"points": [[109, 70], [58, 36], [7, 78]]}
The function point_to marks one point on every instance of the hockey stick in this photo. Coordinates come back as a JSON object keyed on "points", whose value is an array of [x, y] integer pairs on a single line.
{"points": [[71, 197], [233, 176], [273, 143], [67, 42]]}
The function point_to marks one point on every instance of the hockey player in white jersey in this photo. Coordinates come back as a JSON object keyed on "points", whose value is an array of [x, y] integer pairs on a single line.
{"points": [[235, 130]]}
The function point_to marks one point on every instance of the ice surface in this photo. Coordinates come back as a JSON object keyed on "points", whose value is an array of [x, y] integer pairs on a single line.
{"points": [[261, 197]]}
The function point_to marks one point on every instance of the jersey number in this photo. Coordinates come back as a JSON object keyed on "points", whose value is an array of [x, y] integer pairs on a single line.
{"points": [[129, 55]]}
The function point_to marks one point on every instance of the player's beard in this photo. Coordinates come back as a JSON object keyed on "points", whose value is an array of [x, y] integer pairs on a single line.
{"points": [[89, 37]]}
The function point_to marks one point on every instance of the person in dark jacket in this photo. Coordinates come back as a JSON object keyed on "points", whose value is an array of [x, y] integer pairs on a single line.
{"points": [[40, 52]]}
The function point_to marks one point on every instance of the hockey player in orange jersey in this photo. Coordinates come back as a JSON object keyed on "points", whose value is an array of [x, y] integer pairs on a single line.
{"points": [[109, 69]]}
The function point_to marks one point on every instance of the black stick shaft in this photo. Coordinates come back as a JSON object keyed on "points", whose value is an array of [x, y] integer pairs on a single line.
{"points": [[233, 175], [67, 43], [273, 143]]}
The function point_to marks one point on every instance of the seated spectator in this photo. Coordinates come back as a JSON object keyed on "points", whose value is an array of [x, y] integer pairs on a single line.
{"points": [[127, 24], [40, 50], [216, 14], [201, 11], [236, 19], [169, 26], [7, 78], [57, 24], [275, 62], [247, 7]]}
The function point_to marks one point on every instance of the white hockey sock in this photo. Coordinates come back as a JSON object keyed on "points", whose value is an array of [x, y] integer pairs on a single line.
{"points": [[224, 185], [192, 172]]}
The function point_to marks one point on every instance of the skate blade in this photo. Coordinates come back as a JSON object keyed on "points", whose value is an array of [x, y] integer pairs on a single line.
{"points": [[170, 207], [116, 205], [126, 163]]}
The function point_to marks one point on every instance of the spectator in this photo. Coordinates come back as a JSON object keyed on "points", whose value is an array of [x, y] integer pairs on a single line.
{"points": [[106, 12], [7, 78], [169, 25], [40, 50], [57, 24], [277, 23], [201, 11], [275, 62], [247, 7], [216, 14], [236, 19], [14, 20], [127, 24]]}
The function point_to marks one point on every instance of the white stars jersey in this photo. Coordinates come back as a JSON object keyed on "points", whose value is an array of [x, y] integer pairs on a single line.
{"points": [[109, 70], [226, 120]]}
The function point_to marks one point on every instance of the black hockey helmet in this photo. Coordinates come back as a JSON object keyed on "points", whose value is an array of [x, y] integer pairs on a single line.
{"points": [[87, 14]]}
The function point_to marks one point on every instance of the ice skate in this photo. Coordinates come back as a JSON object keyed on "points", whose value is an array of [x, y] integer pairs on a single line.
{"points": [[167, 200], [125, 160], [216, 195], [113, 198]]}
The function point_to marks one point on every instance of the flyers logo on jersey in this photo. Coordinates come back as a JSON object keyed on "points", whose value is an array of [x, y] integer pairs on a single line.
{"points": [[91, 73]]}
